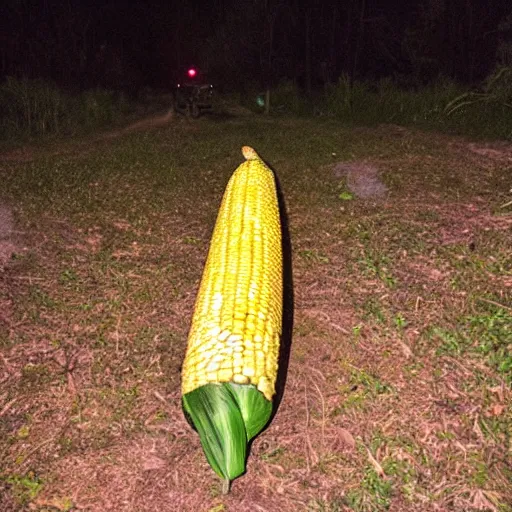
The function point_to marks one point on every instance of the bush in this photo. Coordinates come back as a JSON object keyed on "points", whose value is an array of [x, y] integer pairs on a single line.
{"points": [[287, 98], [386, 102], [34, 108], [497, 90], [31, 107], [443, 105]]}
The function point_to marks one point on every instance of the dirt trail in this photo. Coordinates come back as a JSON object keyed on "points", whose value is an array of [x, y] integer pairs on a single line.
{"points": [[27, 153], [143, 124]]}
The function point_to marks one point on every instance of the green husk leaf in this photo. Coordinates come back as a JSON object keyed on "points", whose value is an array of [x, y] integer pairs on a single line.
{"points": [[256, 409], [227, 416], [221, 428]]}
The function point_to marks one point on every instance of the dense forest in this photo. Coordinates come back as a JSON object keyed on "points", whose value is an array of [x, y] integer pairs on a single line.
{"points": [[125, 45]]}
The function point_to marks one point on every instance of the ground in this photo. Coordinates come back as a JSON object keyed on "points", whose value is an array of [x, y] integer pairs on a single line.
{"points": [[397, 394]]}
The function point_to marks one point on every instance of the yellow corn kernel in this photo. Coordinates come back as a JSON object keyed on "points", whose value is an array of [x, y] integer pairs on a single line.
{"points": [[236, 325]]}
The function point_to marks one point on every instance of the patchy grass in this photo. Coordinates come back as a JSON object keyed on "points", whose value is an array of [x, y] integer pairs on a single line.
{"points": [[398, 391]]}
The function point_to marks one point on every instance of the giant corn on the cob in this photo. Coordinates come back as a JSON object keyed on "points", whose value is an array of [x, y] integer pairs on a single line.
{"points": [[230, 367]]}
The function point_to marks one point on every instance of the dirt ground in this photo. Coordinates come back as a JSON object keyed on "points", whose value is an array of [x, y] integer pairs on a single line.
{"points": [[394, 396]]}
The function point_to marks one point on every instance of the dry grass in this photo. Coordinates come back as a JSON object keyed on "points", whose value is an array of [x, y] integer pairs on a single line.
{"points": [[387, 405]]}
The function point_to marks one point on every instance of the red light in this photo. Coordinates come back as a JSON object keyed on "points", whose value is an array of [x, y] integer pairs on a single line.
{"points": [[192, 72]]}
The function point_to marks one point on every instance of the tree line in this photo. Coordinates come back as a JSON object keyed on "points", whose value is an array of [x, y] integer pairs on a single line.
{"points": [[130, 44]]}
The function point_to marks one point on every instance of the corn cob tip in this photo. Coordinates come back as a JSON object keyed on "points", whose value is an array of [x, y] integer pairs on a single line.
{"points": [[249, 153]]}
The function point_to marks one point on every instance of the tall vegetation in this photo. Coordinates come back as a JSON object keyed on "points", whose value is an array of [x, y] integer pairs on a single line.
{"points": [[36, 107], [442, 105]]}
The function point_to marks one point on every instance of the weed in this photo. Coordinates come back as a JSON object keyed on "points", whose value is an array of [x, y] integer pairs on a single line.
{"points": [[374, 493], [361, 386], [23, 432], [497, 90], [493, 332], [41, 298], [64, 504], [372, 308], [218, 508], [480, 475], [487, 333], [25, 488], [273, 454], [442, 106], [319, 505], [68, 276], [191, 240], [343, 192], [356, 330], [34, 375], [451, 341], [377, 264], [346, 196], [400, 322], [314, 256], [66, 445]]}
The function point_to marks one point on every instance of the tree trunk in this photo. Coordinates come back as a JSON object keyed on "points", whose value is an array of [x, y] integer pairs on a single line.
{"points": [[470, 43], [359, 40], [347, 43], [267, 101], [271, 16], [332, 49], [308, 53]]}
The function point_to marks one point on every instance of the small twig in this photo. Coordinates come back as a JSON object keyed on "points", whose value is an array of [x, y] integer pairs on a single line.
{"points": [[477, 430], [68, 365], [8, 367], [339, 328], [316, 370], [71, 384], [37, 448], [29, 278], [375, 463], [116, 333], [494, 303], [160, 397], [506, 204], [7, 406], [323, 413], [309, 448]]}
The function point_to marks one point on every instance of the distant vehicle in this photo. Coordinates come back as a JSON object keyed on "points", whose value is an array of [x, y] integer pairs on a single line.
{"points": [[193, 96]]}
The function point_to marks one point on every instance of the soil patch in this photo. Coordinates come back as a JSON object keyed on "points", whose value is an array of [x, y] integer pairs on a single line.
{"points": [[362, 179]]}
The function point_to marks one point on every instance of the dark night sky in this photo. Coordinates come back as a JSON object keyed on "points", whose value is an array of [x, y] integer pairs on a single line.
{"points": [[128, 44]]}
